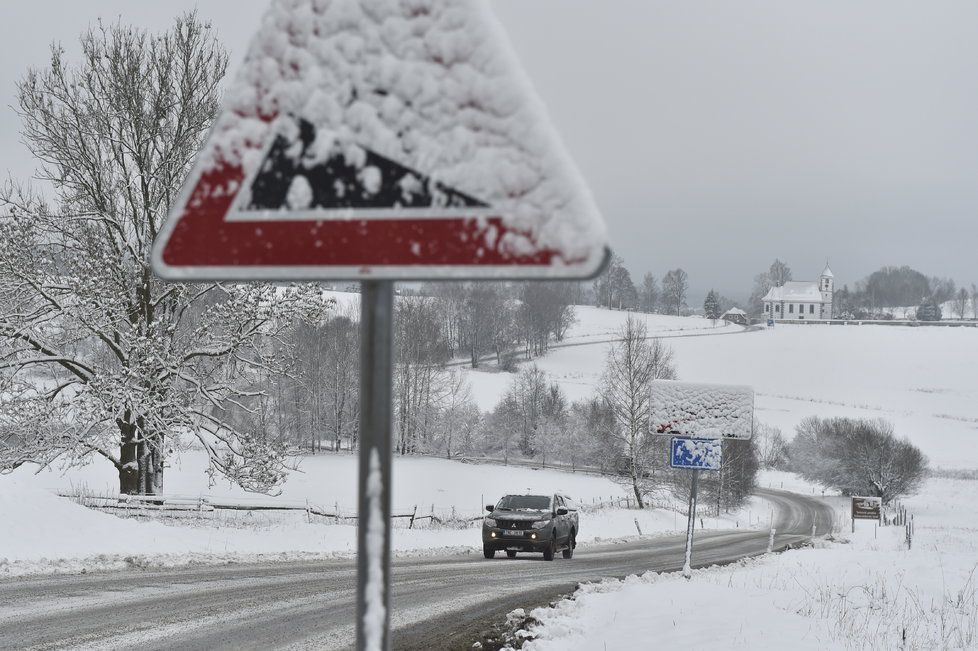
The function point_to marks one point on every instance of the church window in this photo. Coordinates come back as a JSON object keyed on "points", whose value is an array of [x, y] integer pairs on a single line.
{"points": [[791, 308], [811, 309]]}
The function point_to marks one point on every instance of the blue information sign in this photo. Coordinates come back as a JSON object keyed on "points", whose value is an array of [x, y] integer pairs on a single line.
{"points": [[698, 454]]}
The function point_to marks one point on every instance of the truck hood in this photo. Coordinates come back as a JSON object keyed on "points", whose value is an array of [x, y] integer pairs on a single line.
{"points": [[521, 516]]}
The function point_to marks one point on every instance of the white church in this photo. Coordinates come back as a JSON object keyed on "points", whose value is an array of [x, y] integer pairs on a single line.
{"points": [[797, 300]]}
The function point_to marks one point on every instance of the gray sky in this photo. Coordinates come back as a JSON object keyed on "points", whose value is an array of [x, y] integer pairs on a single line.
{"points": [[715, 135]]}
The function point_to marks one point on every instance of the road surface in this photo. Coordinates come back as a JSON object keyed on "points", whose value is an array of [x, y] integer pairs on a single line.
{"points": [[439, 602]]}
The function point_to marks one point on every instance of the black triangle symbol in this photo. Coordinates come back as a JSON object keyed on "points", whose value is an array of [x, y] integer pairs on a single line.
{"points": [[339, 180]]}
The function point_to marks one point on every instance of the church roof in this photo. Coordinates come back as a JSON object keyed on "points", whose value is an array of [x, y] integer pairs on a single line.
{"points": [[827, 273], [795, 291]]}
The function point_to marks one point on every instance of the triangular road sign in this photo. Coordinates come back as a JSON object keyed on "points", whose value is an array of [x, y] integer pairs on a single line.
{"points": [[380, 139]]}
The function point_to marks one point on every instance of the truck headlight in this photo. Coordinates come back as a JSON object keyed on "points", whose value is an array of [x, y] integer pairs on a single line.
{"points": [[490, 522], [540, 524]]}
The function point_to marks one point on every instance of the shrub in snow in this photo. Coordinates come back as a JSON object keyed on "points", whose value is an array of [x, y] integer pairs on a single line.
{"points": [[857, 457], [929, 311]]}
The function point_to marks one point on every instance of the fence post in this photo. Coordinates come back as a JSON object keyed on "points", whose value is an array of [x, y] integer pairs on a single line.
{"points": [[413, 515], [336, 505], [770, 541], [638, 527]]}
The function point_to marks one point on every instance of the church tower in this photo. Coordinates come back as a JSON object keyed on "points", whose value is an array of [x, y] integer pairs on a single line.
{"points": [[826, 285]]}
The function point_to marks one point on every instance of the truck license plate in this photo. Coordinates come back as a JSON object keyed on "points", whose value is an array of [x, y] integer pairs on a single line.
{"points": [[511, 532]]}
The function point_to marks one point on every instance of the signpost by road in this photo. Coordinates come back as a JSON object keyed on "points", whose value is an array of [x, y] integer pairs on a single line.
{"points": [[866, 508], [696, 455], [377, 142], [704, 414]]}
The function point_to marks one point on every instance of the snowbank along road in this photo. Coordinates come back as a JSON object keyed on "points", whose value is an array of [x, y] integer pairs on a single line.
{"points": [[439, 602]]}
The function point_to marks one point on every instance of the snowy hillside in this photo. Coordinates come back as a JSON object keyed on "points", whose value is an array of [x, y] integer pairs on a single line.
{"points": [[921, 379]]}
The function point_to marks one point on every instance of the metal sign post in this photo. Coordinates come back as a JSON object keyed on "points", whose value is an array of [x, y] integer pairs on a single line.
{"points": [[694, 454], [374, 506], [691, 524], [866, 508]]}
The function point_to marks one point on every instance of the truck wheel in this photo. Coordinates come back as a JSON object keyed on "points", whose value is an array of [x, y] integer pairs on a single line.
{"points": [[571, 544], [548, 554], [511, 553], [488, 551]]}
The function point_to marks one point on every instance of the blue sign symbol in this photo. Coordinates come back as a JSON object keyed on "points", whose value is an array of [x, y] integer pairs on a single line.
{"points": [[770, 323], [699, 454]]}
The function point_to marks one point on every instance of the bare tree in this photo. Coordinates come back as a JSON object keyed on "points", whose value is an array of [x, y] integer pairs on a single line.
{"points": [[974, 301], [772, 447], [614, 288], [649, 298], [420, 353], [631, 366], [100, 357], [779, 273], [674, 288], [961, 303], [459, 418]]}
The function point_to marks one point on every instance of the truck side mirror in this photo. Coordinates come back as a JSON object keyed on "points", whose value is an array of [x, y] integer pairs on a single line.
{"points": [[490, 508], [562, 511]]}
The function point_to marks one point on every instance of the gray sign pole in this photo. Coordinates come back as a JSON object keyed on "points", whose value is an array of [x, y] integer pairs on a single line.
{"points": [[373, 532], [691, 524]]}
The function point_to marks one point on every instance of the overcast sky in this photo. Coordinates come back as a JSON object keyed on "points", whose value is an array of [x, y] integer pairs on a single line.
{"points": [[715, 135]]}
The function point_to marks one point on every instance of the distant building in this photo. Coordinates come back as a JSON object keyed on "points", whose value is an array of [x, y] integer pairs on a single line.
{"points": [[736, 315], [797, 300]]}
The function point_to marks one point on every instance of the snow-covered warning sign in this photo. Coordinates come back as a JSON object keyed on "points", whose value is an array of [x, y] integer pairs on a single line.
{"points": [[381, 139], [702, 410]]}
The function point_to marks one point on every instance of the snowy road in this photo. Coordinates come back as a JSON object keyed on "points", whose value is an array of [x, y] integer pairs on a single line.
{"points": [[438, 602]]}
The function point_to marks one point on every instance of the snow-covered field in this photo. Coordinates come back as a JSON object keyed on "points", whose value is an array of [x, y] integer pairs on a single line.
{"points": [[45, 533], [864, 591], [924, 380]]}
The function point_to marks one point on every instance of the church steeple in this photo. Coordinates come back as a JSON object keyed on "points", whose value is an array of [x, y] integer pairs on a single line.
{"points": [[826, 285]]}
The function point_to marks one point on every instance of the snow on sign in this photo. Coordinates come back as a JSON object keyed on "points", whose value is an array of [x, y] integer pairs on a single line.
{"points": [[702, 410], [381, 139], [699, 454]]}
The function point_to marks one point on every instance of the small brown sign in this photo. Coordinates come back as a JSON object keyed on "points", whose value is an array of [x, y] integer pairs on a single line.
{"points": [[866, 508]]}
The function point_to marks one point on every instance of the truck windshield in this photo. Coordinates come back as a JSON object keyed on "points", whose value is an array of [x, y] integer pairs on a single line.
{"points": [[524, 503]]}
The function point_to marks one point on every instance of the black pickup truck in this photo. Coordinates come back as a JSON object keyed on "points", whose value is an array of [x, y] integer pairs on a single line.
{"points": [[531, 523]]}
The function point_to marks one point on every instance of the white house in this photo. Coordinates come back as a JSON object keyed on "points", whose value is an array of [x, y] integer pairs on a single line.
{"points": [[797, 300]]}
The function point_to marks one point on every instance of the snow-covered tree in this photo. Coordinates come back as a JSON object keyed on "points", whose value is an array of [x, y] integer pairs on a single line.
{"points": [[858, 457], [632, 364], [99, 357], [777, 274], [711, 306]]}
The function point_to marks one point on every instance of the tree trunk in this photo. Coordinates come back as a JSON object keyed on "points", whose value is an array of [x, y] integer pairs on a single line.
{"points": [[635, 488], [128, 459]]}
